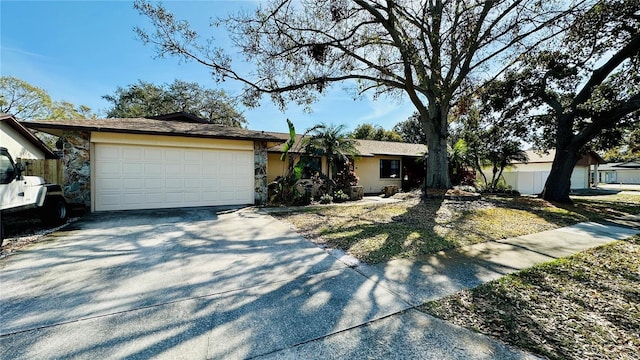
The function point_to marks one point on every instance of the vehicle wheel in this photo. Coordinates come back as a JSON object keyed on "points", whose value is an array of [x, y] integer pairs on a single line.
{"points": [[54, 211], [1, 232]]}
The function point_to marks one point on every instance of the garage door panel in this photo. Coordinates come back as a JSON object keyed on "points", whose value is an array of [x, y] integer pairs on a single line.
{"points": [[153, 183], [174, 184], [132, 153], [109, 184], [108, 168], [109, 154], [145, 177], [110, 200], [153, 169], [193, 183], [133, 184], [133, 198], [193, 170], [192, 197], [151, 154], [173, 156], [193, 157], [209, 184], [133, 168]]}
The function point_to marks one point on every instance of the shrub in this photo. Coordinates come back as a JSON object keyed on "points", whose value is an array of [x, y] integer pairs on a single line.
{"points": [[326, 199], [340, 196]]}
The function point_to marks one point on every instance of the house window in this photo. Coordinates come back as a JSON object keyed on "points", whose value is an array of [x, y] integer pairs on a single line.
{"points": [[389, 169], [311, 165]]}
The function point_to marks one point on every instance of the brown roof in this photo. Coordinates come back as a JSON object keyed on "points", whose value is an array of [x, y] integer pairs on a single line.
{"points": [[9, 119], [367, 147], [153, 127], [536, 156]]}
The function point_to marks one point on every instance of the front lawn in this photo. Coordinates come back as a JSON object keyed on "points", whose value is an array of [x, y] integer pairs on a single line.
{"points": [[586, 306], [416, 226]]}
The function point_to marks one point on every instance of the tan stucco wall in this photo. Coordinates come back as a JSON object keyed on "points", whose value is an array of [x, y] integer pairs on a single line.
{"points": [[17, 145], [276, 167], [368, 170]]}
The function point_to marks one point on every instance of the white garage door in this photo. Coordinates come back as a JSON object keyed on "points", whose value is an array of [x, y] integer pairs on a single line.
{"points": [[579, 178], [148, 177]]}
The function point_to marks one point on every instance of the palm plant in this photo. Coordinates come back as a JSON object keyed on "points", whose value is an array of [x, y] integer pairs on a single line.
{"points": [[332, 142]]}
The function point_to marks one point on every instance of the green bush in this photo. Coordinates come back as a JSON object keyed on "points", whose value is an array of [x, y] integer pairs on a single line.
{"points": [[326, 199]]}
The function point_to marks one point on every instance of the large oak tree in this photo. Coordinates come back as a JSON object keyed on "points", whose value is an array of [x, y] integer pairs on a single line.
{"points": [[428, 51], [583, 93], [145, 99]]}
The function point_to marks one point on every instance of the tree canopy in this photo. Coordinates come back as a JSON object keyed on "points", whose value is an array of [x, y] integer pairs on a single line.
{"points": [[628, 150], [145, 99], [374, 132], [580, 95], [411, 130], [429, 51], [26, 101]]}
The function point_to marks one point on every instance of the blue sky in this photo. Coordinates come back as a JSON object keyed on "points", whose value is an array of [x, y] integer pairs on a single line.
{"points": [[79, 51]]}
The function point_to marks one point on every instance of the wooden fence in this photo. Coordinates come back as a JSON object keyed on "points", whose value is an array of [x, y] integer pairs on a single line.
{"points": [[49, 169]]}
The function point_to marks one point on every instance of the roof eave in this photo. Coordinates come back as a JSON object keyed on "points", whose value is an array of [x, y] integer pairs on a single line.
{"points": [[22, 130], [47, 126]]}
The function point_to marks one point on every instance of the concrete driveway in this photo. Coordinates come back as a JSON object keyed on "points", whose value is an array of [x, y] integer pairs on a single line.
{"points": [[196, 283]]}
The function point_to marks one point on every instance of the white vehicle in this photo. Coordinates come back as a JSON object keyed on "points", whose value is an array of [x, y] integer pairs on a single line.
{"points": [[28, 194]]}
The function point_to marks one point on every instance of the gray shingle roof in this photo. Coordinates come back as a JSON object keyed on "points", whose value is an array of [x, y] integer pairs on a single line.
{"points": [[153, 127], [367, 147]]}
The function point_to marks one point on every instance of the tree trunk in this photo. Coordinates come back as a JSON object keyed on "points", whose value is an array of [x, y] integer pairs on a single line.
{"points": [[436, 129], [558, 183]]}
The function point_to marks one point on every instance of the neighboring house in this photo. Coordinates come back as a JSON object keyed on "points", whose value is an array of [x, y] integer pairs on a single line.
{"points": [[125, 164], [20, 142], [619, 173], [530, 177], [380, 163]]}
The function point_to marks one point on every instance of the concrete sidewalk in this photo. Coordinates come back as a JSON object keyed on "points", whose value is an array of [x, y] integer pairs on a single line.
{"points": [[445, 273]]}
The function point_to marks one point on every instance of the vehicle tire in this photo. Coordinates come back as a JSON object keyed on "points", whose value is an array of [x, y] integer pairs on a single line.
{"points": [[1, 232], [54, 211]]}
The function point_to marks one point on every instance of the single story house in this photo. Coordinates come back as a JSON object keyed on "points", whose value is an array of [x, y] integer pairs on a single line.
{"points": [[139, 163], [619, 173], [530, 177], [20, 142], [379, 163]]}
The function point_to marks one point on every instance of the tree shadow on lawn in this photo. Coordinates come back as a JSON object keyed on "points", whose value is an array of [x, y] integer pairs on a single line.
{"points": [[376, 240], [432, 225]]}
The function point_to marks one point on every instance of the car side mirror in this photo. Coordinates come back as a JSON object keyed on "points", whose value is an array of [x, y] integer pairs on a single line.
{"points": [[20, 168]]}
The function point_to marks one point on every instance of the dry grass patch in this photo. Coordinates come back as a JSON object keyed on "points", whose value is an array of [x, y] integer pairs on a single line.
{"points": [[586, 306], [606, 206], [415, 227]]}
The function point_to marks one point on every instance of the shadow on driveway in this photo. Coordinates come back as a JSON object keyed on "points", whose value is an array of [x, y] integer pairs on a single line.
{"points": [[193, 283]]}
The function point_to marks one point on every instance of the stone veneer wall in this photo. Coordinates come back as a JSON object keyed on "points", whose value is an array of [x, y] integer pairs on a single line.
{"points": [[76, 167], [260, 159]]}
